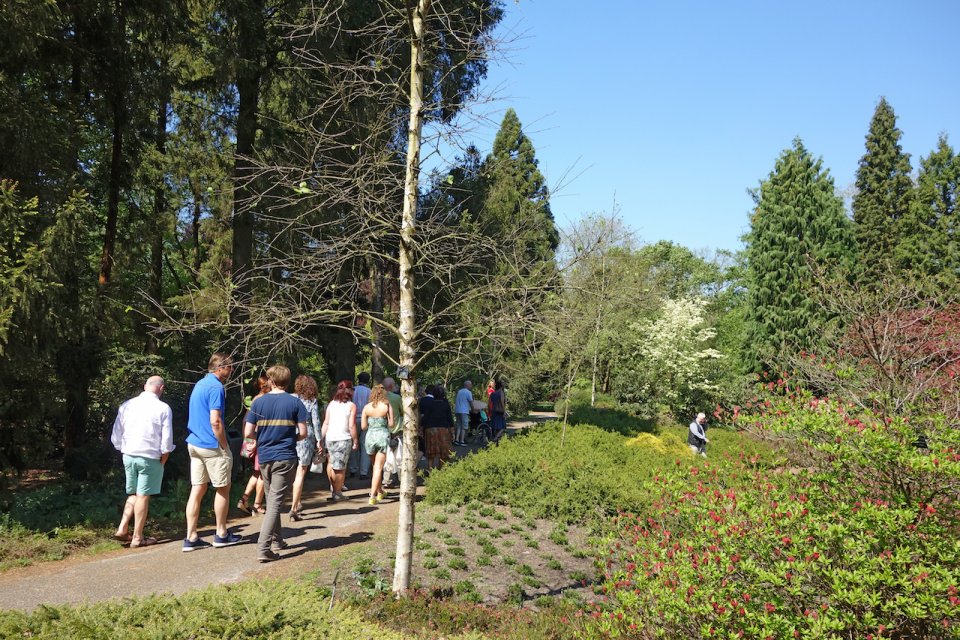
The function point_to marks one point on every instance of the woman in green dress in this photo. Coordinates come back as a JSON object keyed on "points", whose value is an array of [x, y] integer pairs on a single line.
{"points": [[377, 420]]}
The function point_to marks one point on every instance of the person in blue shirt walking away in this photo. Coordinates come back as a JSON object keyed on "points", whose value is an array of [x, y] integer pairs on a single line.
{"points": [[279, 421], [210, 458], [462, 406]]}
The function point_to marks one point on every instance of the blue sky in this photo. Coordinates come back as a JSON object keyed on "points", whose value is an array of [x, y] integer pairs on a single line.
{"points": [[676, 109]]}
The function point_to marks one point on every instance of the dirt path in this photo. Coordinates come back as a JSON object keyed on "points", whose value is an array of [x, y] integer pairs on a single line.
{"points": [[325, 532]]}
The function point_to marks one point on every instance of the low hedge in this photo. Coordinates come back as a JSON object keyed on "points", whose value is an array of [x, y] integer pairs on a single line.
{"points": [[590, 477]]}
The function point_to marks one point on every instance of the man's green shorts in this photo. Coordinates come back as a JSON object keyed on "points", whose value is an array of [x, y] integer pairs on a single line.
{"points": [[144, 475]]}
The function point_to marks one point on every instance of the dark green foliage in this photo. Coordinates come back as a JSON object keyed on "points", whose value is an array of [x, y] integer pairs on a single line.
{"points": [[517, 200], [798, 226], [930, 245], [884, 192]]}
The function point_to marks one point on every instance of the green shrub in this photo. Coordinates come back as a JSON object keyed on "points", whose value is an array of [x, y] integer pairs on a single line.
{"points": [[591, 477], [268, 609], [515, 594], [525, 570], [458, 564], [440, 518], [484, 561], [554, 564], [441, 574], [733, 549], [430, 563], [456, 551]]}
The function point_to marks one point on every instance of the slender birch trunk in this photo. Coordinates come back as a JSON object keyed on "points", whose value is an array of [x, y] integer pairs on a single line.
{"points": [[408, 388]]}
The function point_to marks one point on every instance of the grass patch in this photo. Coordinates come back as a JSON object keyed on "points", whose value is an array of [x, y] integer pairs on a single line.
{"points": [[458, 564]]}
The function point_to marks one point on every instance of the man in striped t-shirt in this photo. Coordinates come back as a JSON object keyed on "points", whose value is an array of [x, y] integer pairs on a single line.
{"points": [[279, 421]]}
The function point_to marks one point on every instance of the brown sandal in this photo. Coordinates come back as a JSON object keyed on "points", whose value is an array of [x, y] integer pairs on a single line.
{"points": [[259, 508], [143, 542], [242, 505]]}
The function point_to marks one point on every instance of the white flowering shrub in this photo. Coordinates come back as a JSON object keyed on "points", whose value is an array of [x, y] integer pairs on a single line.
{"points": [[663, 361]]}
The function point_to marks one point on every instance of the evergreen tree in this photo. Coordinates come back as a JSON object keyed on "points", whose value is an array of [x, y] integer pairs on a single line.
{"points": [[798, 223], [930, 245], [884, 191], [517, 198]]}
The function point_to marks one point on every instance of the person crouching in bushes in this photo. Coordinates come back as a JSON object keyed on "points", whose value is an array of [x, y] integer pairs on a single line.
{"points": [[697, 437]]}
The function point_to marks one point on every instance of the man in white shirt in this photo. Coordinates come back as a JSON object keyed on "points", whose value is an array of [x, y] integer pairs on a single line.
{"points": [[359, 458], [143, 432], [462, 406]]}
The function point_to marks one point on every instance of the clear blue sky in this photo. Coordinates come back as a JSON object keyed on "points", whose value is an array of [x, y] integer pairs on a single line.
{"points": [[676, 108]]}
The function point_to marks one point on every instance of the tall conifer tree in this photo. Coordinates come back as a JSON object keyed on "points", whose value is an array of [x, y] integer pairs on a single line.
{"points": [[930, 244], [884, 191], [517, 198], [798, 221]]}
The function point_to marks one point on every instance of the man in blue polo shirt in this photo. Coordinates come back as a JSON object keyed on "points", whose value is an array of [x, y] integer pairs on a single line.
{"points": [[210, 458], [279, 421]]}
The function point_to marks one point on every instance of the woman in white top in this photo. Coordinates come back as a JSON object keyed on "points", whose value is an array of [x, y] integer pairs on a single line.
{"points": [[339, 436]]}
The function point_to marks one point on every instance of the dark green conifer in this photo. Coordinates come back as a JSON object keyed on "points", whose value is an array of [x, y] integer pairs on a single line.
{"points": [[884, 192], [930, 246], [517, 198], [798, 224]]}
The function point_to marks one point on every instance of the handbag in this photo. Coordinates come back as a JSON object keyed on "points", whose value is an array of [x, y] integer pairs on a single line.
{"points": [[319, 458], [249, 448]]}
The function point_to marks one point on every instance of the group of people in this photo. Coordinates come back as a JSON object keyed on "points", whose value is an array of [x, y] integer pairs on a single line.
{"points": [[359, 433]]}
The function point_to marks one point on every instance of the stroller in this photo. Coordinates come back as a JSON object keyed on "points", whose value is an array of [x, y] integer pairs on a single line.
{"points": [[479, 431]]}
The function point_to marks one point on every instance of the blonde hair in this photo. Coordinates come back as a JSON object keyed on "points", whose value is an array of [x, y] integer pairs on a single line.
{"points": [[378, 395]]}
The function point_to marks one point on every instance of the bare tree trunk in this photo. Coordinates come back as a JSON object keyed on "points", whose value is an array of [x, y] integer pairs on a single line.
{"points": [[376, 308], [159, 213], [250, 32], [411, 417], [119, 108]]}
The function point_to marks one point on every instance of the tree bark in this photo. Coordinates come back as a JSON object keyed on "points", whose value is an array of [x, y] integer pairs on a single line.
{"points": [[159, 214], [411, 416], [376, 309], [250, 32], [119, 108]]}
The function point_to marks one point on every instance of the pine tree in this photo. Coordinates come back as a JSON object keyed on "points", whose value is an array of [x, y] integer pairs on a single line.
{"points": [[798, 223], [517, 198], [884, 192], [930, 244]]}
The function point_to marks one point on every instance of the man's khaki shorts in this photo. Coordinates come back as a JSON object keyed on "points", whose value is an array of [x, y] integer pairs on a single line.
{"points": [[210, 465]]}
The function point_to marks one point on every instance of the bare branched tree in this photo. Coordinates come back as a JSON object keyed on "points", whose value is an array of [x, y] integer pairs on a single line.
{"points": [[344, 240]]}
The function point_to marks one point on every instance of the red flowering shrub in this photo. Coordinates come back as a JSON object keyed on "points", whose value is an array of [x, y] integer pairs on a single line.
{"points": [[734, 551]]}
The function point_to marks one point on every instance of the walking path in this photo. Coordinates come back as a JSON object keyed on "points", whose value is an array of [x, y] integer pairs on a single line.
{"points": [[324, 531], [164, 568]]}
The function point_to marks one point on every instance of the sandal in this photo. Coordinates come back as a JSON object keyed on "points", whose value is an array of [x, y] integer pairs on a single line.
{"points": [[258, 508], [144, 542], [242, 505], [123, 539]]}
